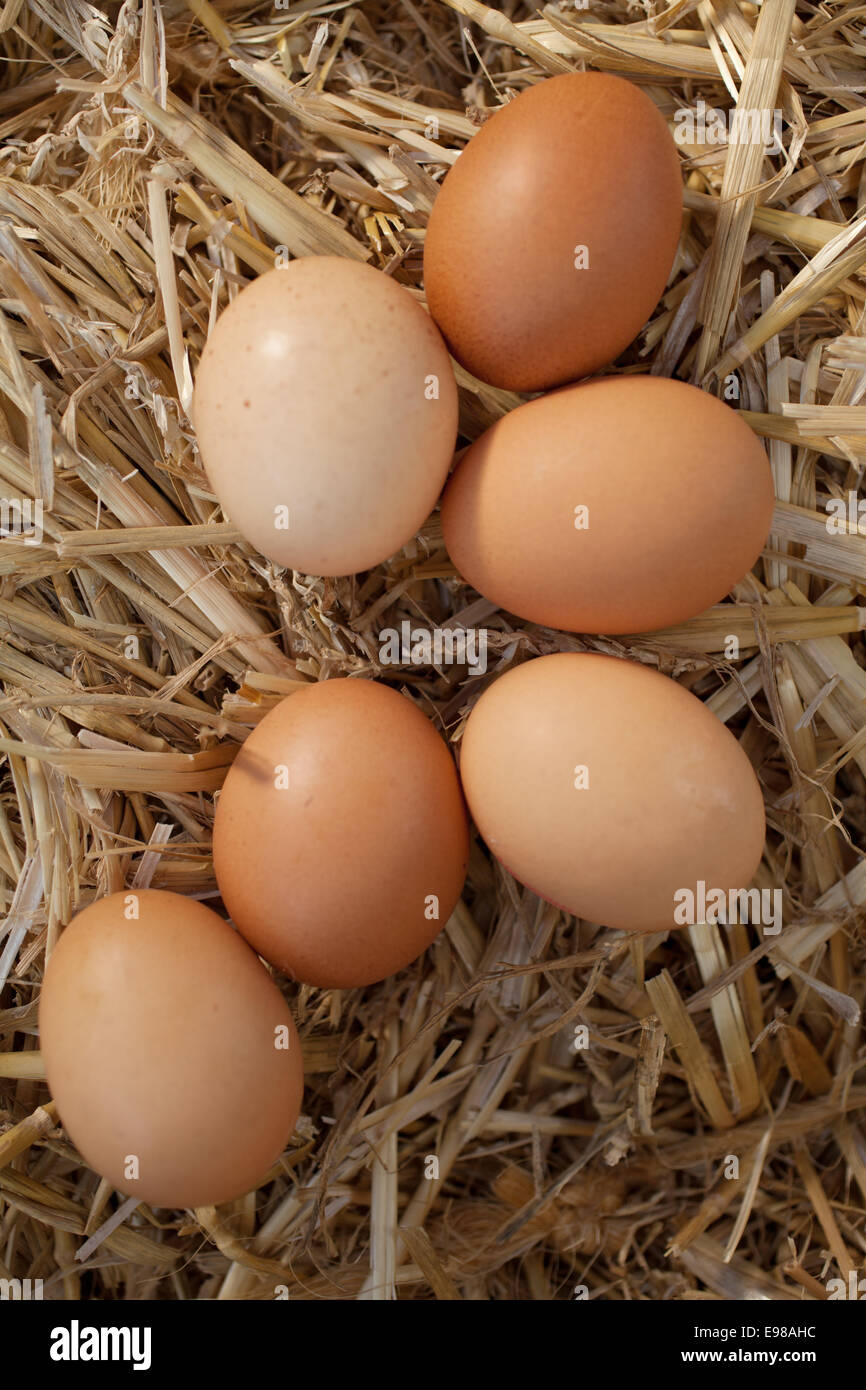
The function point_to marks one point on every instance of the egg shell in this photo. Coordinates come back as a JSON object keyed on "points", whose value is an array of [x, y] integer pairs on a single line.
{"points": [[584, 160], [678, 499], [326, 412], [339, 821], [672, 800], [159, 1037]]}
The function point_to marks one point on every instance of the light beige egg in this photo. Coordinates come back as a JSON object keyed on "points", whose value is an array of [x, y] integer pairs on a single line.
{"points": [[326, 412]]}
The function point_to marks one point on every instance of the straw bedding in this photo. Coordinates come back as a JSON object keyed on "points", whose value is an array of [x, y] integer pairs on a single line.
{"points": [[153, 158]]}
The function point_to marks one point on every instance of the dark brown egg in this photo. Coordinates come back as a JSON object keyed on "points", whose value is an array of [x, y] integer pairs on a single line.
{"points": [[341, 838], [553, 235]]}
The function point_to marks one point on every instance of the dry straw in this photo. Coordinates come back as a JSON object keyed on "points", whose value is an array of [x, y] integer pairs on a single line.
{"points": [[154, 157]]}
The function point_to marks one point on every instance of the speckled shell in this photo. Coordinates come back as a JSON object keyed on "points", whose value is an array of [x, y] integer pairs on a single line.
{"points": [[326, 412]]}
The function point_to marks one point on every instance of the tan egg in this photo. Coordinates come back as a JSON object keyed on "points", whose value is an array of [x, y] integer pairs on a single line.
{"points": [[552, 237], [341, 839], [609, 790], [326, 412], [171, 1054], [624, 504]]}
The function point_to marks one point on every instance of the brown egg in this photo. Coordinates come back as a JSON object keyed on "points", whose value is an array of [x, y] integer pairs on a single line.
{"points": [[171, 1054], [553, 235], [620, 505], [609, 789], [341, 838], [326, 412]]}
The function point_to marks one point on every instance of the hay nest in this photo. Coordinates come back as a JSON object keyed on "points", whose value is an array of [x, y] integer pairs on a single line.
{"points": [[154, 157]]}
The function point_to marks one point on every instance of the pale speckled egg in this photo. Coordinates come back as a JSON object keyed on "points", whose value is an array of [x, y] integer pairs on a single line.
{"points": [[609, 789], [341, 838], [171, 1054], [623, 504], [326, 412], [552, 237]]}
